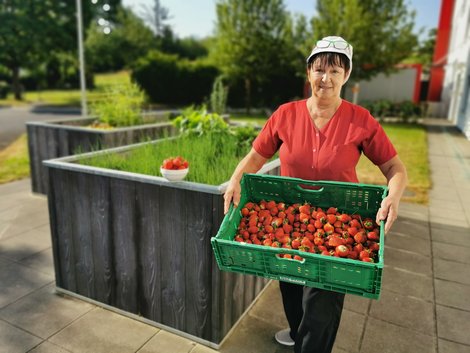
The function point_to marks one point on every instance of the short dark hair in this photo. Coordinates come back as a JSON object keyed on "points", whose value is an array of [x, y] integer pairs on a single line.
{"points": [[330, 59]]}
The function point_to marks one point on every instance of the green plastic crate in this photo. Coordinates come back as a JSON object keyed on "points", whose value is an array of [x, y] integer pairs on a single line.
{"points": [[330, 273]]}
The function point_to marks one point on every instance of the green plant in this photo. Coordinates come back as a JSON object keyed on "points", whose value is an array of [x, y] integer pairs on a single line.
{"points": [[245, 136], [218, 98], [209, 162], [197, 121], [120, 106]]}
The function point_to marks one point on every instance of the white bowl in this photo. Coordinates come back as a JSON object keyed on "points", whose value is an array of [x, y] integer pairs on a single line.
{"points": [[174, 175]]}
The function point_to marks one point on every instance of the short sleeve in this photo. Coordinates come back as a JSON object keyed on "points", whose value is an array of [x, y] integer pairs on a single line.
{"points": [[376, 144], [267, 142]]}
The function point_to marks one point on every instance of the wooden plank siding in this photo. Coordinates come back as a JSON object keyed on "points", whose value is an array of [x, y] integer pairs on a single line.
{"points": [[145, 248], [47, 140]]}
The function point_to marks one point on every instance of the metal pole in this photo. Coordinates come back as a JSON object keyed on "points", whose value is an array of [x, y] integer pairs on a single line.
{"points": [[81, 58]]}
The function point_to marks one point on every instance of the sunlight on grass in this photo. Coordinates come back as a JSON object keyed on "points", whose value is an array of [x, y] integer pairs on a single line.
{"points": [[70, 97], [411, 144], [14, 161]]}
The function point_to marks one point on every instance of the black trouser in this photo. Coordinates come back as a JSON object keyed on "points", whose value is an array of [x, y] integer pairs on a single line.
{"points": [[313, 315]]}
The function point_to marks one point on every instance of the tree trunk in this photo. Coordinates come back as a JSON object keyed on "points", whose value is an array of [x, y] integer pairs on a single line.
{"points": [[247, 95], [16, 85]]}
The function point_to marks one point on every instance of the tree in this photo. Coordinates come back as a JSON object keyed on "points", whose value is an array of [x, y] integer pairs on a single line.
{"points": [[155, 16], [31, 30], [424, 52], [129, 39], [379, 30], [250, 41]]}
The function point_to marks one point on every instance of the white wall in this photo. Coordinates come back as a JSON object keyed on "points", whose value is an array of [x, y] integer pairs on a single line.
{"points": [[397, 87], [456, 86]]}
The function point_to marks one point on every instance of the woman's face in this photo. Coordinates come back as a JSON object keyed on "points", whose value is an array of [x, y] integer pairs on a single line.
{"points": [[326, 80]]}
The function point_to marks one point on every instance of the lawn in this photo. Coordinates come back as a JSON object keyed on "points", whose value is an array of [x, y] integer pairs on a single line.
{"points": [[14, 161], [70, 97]]}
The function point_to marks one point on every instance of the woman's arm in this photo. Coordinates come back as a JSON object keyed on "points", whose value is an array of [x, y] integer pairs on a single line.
{"points": [[251, 163], [395, 172]]}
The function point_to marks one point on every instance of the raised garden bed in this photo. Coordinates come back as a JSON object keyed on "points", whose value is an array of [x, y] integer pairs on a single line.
{"points": [[59, 138], [142, 245]]}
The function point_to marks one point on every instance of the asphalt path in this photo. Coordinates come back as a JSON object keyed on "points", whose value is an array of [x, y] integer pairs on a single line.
{"points": [[13, 119]]}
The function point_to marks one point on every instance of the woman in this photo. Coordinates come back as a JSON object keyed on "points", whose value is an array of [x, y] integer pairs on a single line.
{"points": [[322, 138]]}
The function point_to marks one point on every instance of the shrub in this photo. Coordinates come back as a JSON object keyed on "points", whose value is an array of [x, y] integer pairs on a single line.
{"points": [[168, 79], [121, 106], [383, 108]]}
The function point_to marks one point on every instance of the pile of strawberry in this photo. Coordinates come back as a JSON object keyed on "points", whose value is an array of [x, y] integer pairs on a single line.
{"points": [[175, 163], [309, 229]]}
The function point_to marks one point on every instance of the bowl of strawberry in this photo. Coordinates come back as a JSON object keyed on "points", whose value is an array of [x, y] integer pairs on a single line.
{"points": [[174, 168]]}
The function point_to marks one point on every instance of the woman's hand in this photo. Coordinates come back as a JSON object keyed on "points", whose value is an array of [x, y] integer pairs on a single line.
{"points": [[388, 211], [251, 163], [232, 194], [395, 172]]}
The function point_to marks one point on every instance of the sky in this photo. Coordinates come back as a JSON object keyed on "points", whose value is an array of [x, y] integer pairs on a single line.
{"points": [[197, 17]]}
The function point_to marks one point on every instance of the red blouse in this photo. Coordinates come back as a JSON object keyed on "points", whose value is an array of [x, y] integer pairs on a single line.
{"points": [[330, 153]]}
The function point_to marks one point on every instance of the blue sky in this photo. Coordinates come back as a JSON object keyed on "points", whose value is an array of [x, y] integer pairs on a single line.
{"points": [[197, 17]]}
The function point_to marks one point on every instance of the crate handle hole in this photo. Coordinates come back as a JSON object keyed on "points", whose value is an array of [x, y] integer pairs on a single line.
{"points": [[310, 188]]}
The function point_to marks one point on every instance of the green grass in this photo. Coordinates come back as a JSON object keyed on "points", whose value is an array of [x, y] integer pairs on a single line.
{"points": [[14, 161], [411, 144], [208, 162], [258, 119], [70, 97]]}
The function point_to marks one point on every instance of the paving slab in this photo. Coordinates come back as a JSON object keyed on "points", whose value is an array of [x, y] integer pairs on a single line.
{"points": [[411, 227], [451, 271], [452, 347], [44, 312], [452, 251], [442, 235], [350, 331], [396, 340], [442, 212], [452, 294], [15, 340], [408, 260], [17, 187], [451, 324], [102, 331], [450, 206], [269, 307], [412, 214], [18, 226], [407, 283], [404, 311], [26, 244], [254, 335], [202, 349], [42, 261], [406, 241], [47, 347], [445, 222], [164, 342], [18, 280], [357, 304]]}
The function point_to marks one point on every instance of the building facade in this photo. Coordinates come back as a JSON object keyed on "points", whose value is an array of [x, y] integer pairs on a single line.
{"points": [[455, 98]]}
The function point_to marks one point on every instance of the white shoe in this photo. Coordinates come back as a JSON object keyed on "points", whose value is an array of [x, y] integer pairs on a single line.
{"points": [[283, 337]]}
